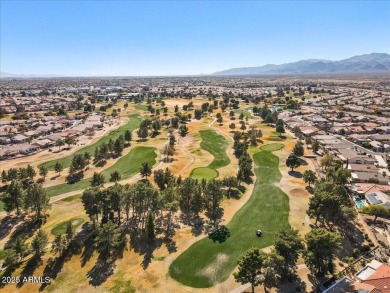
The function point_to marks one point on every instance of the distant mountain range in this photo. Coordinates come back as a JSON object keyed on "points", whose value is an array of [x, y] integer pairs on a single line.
{"points": [[11, 75], [368, 63]]}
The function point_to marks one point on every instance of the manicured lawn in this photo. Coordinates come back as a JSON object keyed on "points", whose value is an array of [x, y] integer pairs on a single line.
{"points": [[246, 113], [216, 145], [272, 147], [206, 263], [61, 227], [204, 172], [134, 121], [127, 166]]}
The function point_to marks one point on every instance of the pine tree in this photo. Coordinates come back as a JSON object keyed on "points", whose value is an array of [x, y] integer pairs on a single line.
{"points": [[14, 197], [145, 170], [69, 232], [59, 244], [39, 243], [150, 227], [37, 200]]}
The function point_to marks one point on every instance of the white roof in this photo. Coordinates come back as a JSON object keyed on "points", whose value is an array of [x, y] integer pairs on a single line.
{"points": [[368, 270]]}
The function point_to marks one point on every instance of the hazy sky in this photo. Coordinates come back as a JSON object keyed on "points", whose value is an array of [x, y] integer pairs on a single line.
{"points": [[182, 37]]}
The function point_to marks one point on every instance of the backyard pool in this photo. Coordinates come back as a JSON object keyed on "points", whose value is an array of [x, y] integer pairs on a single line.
{"points": [[360, 202]]}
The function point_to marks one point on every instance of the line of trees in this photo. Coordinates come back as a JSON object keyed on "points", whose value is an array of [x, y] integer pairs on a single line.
{"points": [[31, 199], [113, 149], [136, 204], [22, 174], [240, 147]]}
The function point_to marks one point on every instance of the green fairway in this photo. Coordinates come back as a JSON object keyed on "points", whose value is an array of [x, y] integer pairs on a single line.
{"points": [[204, 172], [127, 166], [206, 263], [61, 227], [272, 147], [134, 121], [216, 145], [246, 113]]}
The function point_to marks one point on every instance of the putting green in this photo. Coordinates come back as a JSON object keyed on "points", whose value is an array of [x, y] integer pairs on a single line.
{"points": [[127, 166], [134, 121], [216, 145], [204, 172], [206, 263], [61, 227], [272, 147]]}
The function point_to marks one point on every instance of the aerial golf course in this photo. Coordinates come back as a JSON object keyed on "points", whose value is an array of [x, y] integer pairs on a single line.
{"points": [[207, 263], [215, 144]]}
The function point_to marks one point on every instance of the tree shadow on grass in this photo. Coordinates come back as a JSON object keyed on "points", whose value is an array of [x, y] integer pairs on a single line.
{"points": [[103, 268], [241, 188], [100, 163], [249, 180], [197, 225], [7, 223], [233, 194], [54, 266], [351, 238], [295, 174], [141, 244], [24, 230], [105, 264], [33, 263], [7, 272], [170, 244], [292, 283], [89, 249]]}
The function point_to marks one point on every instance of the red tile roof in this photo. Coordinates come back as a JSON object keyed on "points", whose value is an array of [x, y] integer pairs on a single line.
{"points": [[380, 279]]}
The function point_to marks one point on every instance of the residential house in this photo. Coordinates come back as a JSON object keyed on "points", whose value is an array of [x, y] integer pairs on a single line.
{"points": [[369, 176], [19, 138], [378, 197], [376, 274], [362, 168]]}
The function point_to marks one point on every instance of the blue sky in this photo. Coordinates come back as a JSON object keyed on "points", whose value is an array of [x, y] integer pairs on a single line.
{"points": [[181, 37]]}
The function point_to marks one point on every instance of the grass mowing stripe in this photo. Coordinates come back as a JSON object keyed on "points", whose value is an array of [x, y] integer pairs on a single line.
{"points": [[127, 166], [132, 124], [206, 263], [216, 145]]}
